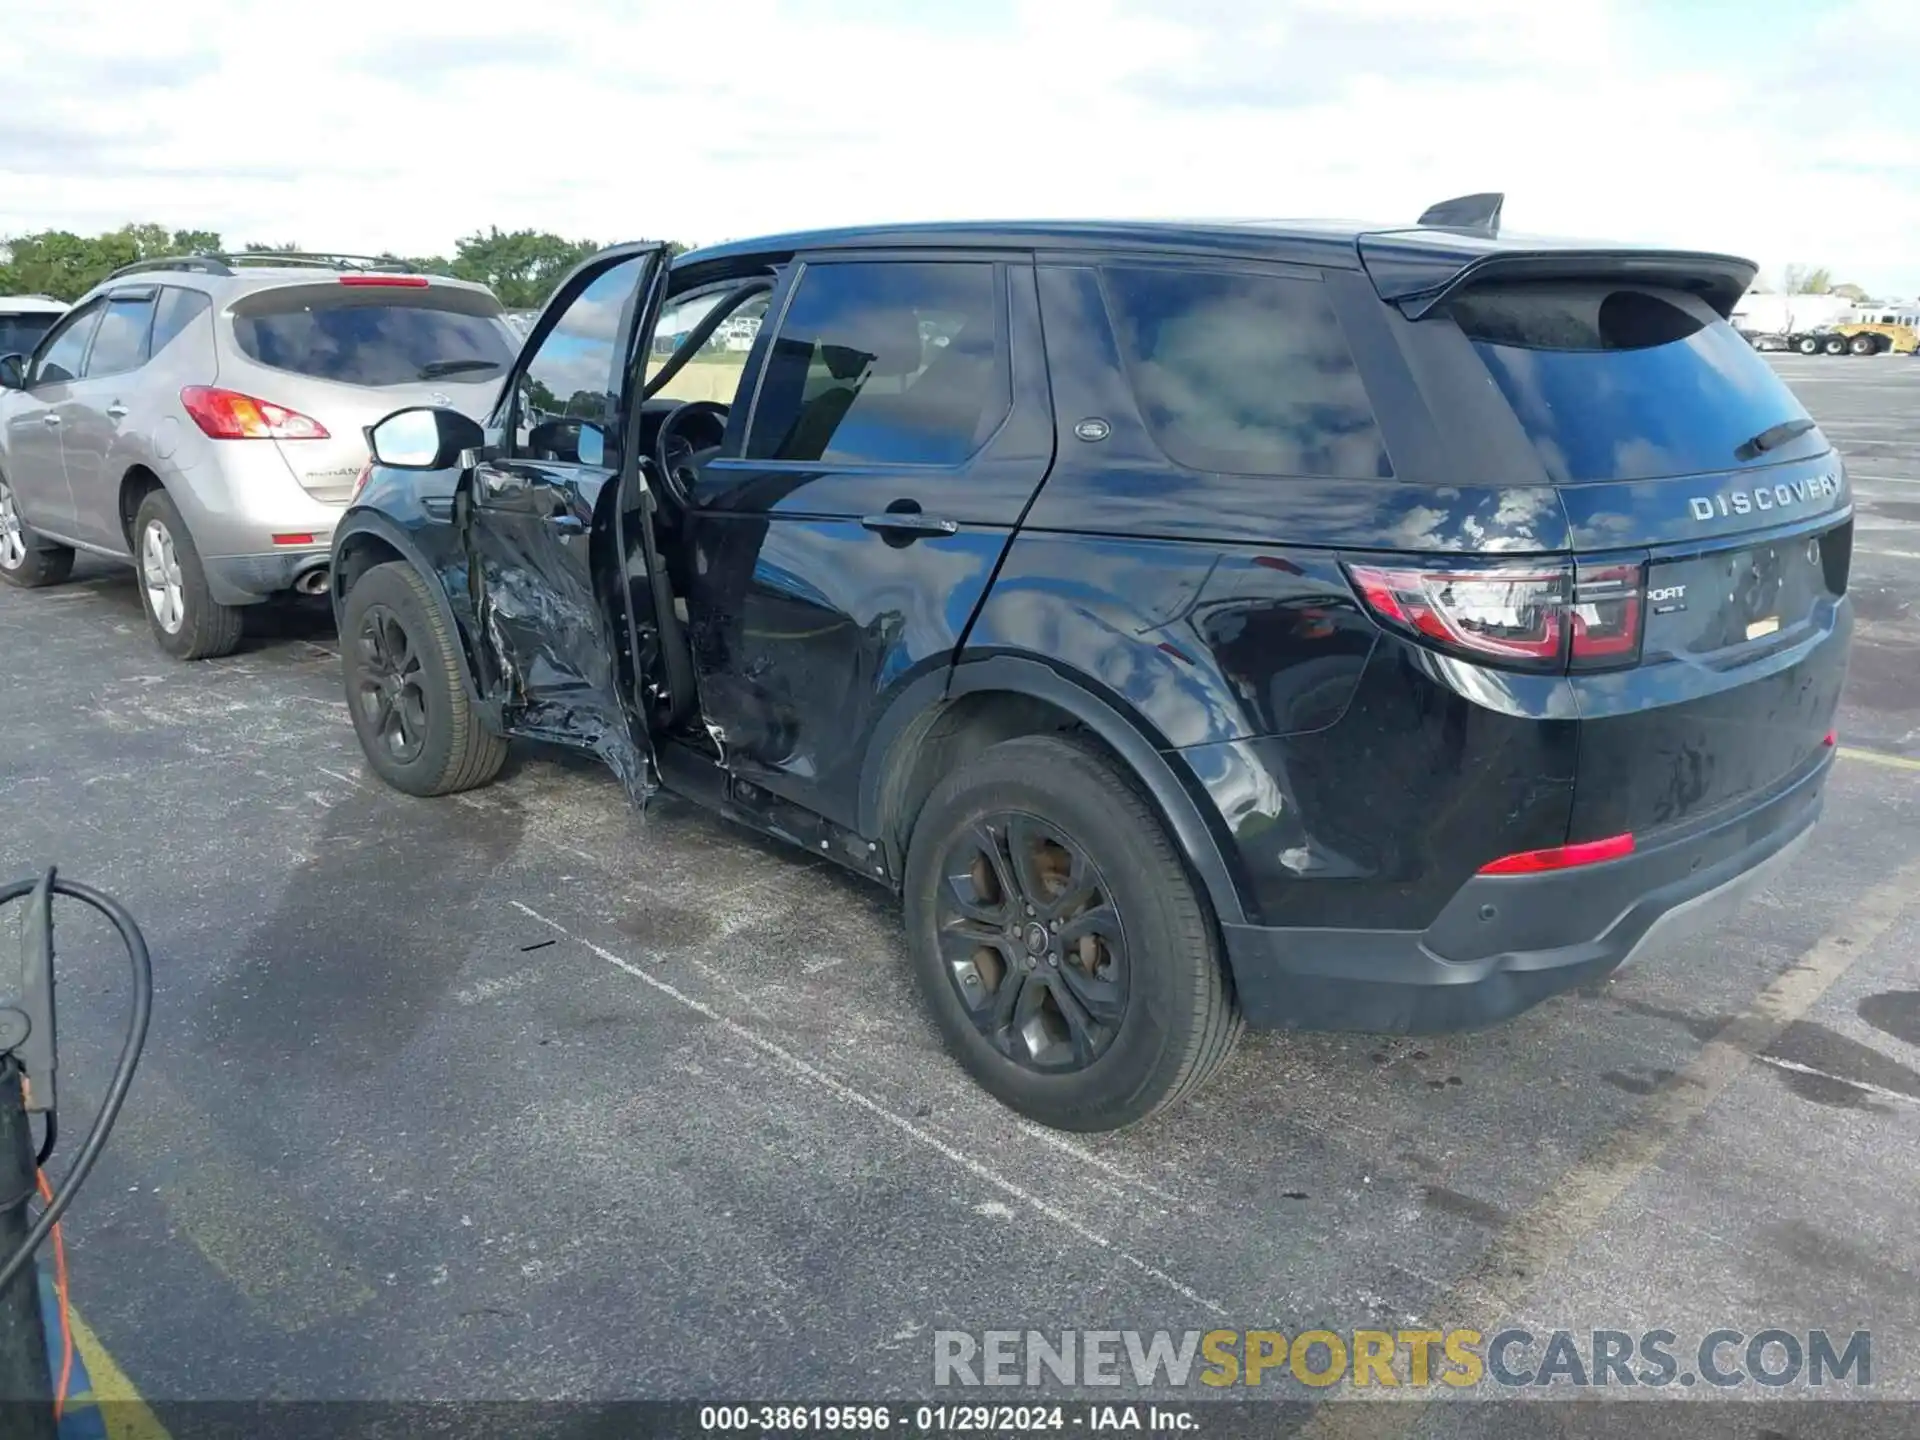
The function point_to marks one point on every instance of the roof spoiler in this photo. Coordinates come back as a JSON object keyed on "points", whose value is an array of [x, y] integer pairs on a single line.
{"points": [[1479, 213], [1421, 269]]}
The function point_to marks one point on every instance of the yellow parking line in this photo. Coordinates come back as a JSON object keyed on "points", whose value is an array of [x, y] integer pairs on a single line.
{"points": [[1875, 757], [124, 1413]]}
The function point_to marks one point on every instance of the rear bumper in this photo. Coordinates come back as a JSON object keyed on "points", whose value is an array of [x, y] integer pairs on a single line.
{"points": [[249, 579], [1504, 943]]}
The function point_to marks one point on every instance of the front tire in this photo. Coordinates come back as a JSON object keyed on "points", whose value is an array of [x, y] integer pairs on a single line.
{"points": [[24, 560], [1807, 345], [406, 690], [1070, 963], [187, 622]]}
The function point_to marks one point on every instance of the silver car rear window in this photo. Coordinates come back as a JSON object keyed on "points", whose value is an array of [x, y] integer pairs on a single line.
{"points": [[375, 336]]}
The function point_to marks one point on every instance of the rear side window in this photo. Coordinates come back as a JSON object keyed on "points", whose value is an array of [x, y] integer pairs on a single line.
{"points": [[20, 333], [885, 362], [173, 313], [1244, 374], [120, 344], [367, 335], [1618, 383]]}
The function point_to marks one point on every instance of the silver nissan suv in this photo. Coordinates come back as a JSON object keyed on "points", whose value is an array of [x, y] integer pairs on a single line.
{"points": [[202, 418]]}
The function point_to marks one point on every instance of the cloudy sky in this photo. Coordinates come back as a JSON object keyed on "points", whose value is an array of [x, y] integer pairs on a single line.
{"points": [[1788, 130]]}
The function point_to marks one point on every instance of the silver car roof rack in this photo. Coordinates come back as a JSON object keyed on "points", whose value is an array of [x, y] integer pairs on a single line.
{"points": [[223, 265]]}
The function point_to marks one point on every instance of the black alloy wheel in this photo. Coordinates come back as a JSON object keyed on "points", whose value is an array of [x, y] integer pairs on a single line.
{"points": [[388, 685], [406, 686], [1033, 942], [1071, 964]]}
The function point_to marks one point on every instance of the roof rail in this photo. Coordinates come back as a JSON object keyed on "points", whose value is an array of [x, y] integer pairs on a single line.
{"points": [[199, 264], [331, 259], [223, 264], [1467, 212]]}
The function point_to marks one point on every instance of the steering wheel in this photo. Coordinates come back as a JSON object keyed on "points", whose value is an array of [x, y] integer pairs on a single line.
{"points": [[677, 458]]}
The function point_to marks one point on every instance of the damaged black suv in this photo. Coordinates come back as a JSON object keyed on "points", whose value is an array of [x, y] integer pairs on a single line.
{"points": [[1194, 624]]}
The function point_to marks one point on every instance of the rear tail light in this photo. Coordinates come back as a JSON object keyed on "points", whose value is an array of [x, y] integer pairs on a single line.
{"points": [[1551, 615], [1607, 604], [229, 415], [1514, 614], [1561, 857]]}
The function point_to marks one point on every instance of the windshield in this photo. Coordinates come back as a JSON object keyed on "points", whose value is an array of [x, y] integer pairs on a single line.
{"points": [[20, 333], [1612, 383], [359, 339]]}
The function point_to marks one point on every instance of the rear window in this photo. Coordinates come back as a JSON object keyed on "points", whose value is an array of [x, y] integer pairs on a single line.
{"points": [[360, 336], [20, 333], [176, 310], [1616, 383], [1245, 374]]}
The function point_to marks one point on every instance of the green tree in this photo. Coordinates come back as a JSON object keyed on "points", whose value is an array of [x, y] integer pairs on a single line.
{"points": [[196, 242], [520, 266], [57, 263], [65, 265]]}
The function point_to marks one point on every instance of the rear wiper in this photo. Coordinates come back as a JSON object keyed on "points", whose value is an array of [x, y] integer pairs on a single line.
{"points": [[434, 369], [1773, 437]]}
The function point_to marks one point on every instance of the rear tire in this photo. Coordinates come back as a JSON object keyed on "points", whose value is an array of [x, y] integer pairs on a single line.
{"points": [[1133, 944], [26, 561], [187, 622], [1835, 345], [406, 689], [1864, 345], [1807, 345]]}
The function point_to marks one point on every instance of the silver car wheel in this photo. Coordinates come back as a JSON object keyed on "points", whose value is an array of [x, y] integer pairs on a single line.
{"points": [[13, 537], [160, 573]]}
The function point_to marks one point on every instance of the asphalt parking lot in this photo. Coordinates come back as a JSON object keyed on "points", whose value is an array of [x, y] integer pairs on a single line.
{"points": [[523, 1094]]}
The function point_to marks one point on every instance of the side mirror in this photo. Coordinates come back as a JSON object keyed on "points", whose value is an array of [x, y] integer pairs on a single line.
{"points": [[424, 439], [13, 372]]}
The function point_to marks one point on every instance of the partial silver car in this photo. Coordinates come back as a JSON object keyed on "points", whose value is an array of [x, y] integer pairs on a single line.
{"points": [[24, 319], [203, 418]]}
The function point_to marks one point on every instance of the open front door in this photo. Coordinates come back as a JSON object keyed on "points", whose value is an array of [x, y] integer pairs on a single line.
{"points": [[542, 573]]}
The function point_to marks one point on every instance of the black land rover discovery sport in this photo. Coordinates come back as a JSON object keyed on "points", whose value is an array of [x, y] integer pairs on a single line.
{"points": [[1194, 624]]}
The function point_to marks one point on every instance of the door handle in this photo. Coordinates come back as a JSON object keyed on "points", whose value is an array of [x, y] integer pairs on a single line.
{"points": [[910, 522], [49, 418], [117, 411]]}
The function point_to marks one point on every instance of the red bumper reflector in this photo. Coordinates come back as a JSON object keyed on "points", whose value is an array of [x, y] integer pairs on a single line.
{"points": [[1833, 738], [1561, 857], [293, 539]]}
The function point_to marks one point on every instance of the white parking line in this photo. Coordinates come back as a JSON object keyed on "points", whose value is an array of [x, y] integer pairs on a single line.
{"points": [[1887, 554], [1870, 1088], [873, 1107]]}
